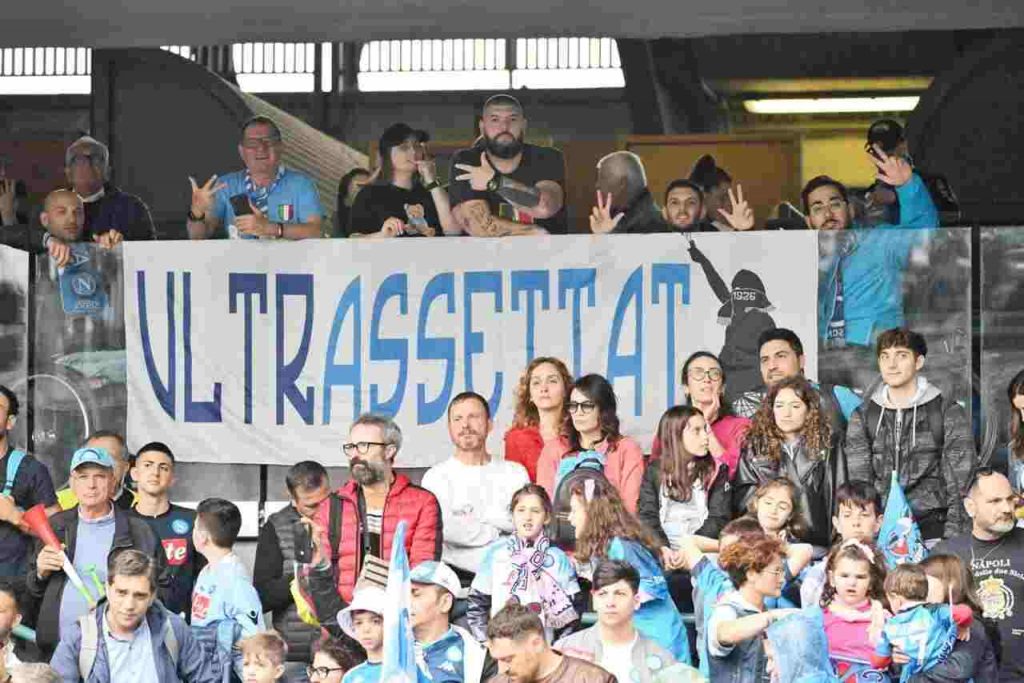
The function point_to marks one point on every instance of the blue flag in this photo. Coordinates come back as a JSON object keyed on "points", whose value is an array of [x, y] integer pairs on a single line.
{"points": [[899, 538], [399, 662]]}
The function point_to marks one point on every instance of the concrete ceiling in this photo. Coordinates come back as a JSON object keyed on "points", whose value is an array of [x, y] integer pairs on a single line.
{"points": [[151, 23]]}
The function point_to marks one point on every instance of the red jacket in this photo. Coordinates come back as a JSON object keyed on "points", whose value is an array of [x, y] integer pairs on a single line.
{"points": [[405, 501], [523, 445]]}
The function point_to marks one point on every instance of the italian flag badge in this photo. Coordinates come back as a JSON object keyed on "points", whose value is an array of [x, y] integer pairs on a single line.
{"points": [[285, 212]]}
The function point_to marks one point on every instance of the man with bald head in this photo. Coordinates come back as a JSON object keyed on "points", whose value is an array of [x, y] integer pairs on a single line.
{"points": [[994, 550], [624, 204], [63, 216]]}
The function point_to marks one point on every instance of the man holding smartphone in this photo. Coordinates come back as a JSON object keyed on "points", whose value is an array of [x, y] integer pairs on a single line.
{"points": [[284, 544], [265, 201]]}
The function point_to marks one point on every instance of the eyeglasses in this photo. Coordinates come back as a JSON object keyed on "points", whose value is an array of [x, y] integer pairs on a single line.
{"points": [[698, 374], [322, 671], [582, 407], [362, 447], [834, 205], [256, 143]]}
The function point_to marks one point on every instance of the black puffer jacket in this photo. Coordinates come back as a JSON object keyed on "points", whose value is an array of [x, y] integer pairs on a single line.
{"points": [[815, 478], [719, 502]]}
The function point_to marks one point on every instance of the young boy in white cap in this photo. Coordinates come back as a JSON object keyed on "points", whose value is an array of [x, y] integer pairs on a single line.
{"points": [[447, 653], [363, 621]]}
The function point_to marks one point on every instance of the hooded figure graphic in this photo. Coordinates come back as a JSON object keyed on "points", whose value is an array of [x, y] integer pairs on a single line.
{"points": [[744, 312]]}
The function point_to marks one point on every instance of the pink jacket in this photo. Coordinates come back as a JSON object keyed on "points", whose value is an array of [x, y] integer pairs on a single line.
{"points": [[730, 431], [848, 635], [624, 467]]}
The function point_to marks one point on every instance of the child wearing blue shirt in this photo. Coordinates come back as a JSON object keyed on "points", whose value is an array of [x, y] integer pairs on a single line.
{"points": [[363, 621], [225, 605], [924, 632]]}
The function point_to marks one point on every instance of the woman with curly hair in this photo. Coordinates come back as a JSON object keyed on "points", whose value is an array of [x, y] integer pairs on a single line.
{"points": [[740, 618], [606, 530], [592, 432], [540, 413], [790, 437]]}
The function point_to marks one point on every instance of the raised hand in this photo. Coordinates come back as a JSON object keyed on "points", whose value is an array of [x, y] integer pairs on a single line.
{"points": [[203, 197], [601, 220], [478, 176], [892, 170], [7, 201], [742, 216]]}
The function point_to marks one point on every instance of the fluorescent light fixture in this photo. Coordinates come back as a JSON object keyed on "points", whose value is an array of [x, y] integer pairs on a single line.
{"points": [[831, 105]]}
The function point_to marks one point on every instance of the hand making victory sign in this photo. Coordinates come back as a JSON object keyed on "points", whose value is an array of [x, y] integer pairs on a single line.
{"points": [[601, 220]]}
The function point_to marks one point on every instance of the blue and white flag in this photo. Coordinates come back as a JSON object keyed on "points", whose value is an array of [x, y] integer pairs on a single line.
{"points": [[399, 662], [899, 538]]}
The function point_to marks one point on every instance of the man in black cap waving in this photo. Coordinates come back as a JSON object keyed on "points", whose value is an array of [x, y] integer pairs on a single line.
{"points": [[503, 186]]}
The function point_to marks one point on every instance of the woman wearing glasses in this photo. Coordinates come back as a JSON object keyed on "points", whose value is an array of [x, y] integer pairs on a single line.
{"points": [[738, 621], [593, 425], [704, 386], [331, 661]]}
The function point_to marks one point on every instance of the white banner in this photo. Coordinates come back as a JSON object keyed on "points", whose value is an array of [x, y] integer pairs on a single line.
{"points": [[254, 352]]}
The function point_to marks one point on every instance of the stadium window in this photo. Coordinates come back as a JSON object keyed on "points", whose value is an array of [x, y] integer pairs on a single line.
{"points": [[485, 64]]}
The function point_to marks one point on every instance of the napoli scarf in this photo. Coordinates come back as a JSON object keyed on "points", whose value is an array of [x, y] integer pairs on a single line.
{"points": [[532, 585]]}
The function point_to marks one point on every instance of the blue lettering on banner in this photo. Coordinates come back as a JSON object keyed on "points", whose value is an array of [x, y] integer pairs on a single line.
{"points": [[395, 285], [247, 285], [165, 392], [576, 280], [480, 283], [528, 282], [195, 411], [435, 348], [629, 365], [345, 374], [669, 275], [288, 373]]}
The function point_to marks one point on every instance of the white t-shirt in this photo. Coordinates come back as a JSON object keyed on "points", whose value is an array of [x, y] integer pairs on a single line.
{"points": [[683, 518], [474, 502], [618, 659]]}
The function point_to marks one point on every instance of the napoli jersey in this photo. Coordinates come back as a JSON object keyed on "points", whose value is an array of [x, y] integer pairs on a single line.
{"points": [[367, 672], [223, 598], [444, 659], [925, 633]]}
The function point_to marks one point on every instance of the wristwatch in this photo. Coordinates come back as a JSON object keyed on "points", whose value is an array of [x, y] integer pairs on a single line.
{"points": [[494, 184], [430, 186]]}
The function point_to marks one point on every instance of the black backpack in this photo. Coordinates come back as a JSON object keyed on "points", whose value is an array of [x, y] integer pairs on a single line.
{"points": [[589, 465]]}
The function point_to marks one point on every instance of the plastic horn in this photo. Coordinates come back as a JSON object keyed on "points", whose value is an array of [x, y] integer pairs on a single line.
{"points": [[91, 571], [76, 579], [24, 633], [36, 521]]}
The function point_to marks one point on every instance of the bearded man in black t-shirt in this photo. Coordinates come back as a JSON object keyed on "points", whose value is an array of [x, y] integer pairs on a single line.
{"points": [[994, 550], [503, 186]]}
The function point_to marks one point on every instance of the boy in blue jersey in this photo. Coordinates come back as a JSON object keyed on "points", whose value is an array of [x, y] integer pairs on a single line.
{"points": [[710, 582], [363, 621], [225, 605], [925, 632]]}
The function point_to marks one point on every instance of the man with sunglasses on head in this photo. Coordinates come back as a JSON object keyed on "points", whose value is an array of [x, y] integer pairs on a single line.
{"points": [[994, 551], [860, 289], [353, 528], [265, 201]]}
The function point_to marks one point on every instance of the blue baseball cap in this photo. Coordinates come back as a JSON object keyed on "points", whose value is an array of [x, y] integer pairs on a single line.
{"points": [[92, 455]]}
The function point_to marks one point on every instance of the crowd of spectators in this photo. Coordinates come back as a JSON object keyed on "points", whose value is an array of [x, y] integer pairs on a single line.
{"points": [[575, 557]]}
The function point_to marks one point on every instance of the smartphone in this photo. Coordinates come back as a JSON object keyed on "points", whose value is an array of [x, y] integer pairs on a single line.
{"points": [[240, 204], [303, 543]]}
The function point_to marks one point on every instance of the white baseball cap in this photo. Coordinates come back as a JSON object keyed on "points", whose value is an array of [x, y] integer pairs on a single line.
{"points": [[365, 599], [436, 574]]}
